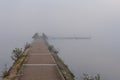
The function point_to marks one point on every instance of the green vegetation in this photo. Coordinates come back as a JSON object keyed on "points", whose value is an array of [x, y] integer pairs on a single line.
{"points": [[14, 70], [50, 48], [19, 57], [67, 74], [5, 74], [16, 54], [87, 77]]}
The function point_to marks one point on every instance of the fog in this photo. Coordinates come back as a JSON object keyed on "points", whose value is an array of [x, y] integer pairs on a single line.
{"points": [[25, 17], [100, 19]]}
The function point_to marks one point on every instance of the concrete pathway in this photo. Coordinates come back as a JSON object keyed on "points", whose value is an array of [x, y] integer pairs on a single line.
{"points": [[40, 64]]}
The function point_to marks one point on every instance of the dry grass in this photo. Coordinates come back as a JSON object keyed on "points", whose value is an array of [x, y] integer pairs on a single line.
{"points": [[16, 66], [63, 68]]}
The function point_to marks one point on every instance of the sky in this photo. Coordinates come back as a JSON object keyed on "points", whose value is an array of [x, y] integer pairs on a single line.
{"points": [[58, 17]]}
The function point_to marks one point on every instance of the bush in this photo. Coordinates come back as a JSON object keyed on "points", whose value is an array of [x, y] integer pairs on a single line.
{"points": [[87, 77], [51, 47], [16, 54], [4, 74]]}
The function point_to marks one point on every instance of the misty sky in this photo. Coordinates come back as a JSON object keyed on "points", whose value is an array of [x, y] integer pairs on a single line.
{"points": [[25, 17]]}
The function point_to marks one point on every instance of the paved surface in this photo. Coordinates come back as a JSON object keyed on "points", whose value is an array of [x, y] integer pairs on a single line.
{"points": [[40, 64]]}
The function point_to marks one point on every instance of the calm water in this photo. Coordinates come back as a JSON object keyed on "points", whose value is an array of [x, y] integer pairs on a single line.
{"points": [[92, 56]]}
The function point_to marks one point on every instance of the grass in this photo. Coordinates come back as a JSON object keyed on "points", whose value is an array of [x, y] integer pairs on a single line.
{"points": [[14, 70], [5, 74], [68, 75]]}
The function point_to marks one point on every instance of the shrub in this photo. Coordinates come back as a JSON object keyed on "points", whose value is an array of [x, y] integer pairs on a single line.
{"points": [[4, 74], [51, 47], [16, 54], [87, 77]]}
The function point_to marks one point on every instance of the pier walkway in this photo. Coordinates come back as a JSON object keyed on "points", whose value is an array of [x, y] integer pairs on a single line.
{"points": [[40, 64]]}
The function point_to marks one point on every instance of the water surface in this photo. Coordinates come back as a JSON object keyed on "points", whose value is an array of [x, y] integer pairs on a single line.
{"points": [[90, 56]]}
